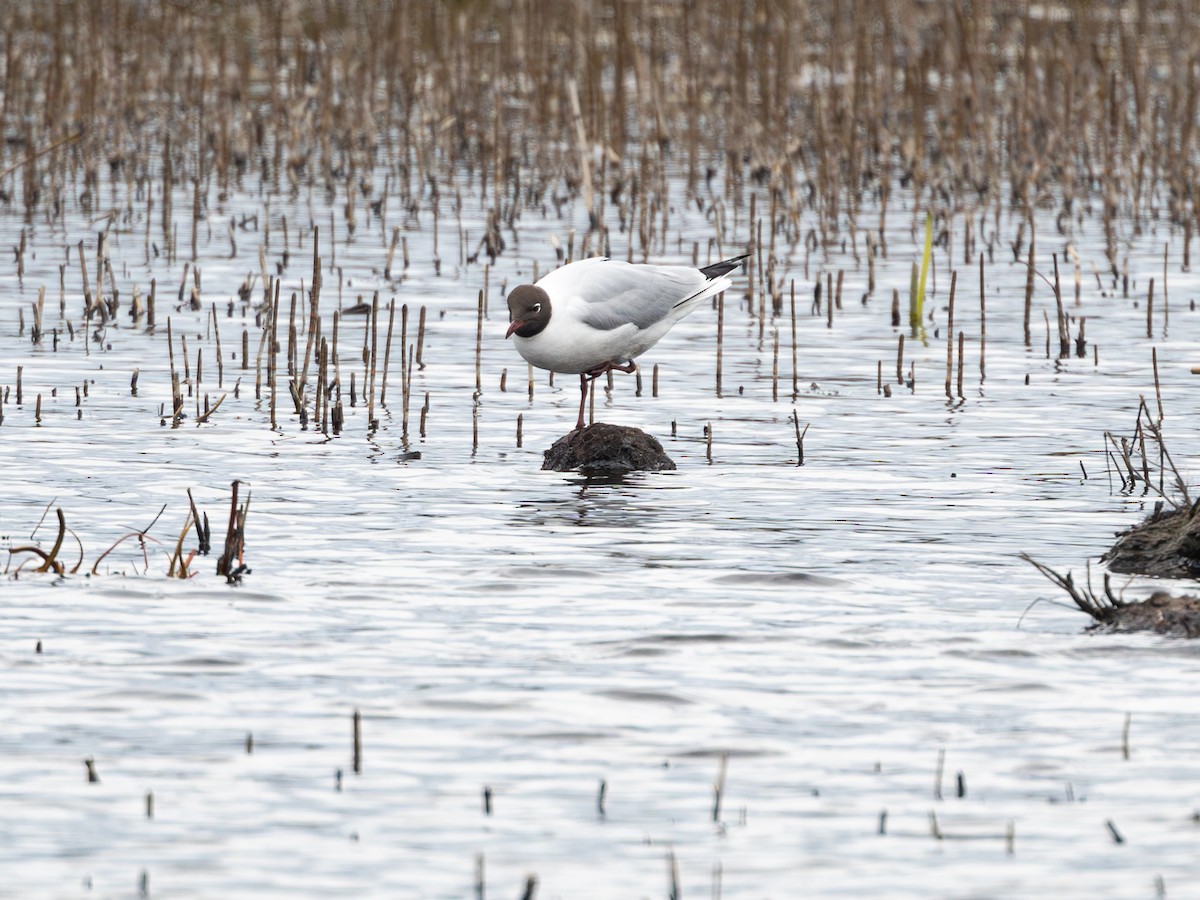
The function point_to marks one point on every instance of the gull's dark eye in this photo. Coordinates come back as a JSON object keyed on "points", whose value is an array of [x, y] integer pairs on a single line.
{"points": [[537, 308]]}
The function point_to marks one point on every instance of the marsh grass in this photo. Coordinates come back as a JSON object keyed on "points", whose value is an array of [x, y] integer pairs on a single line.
{"points": [[821, 109], [180, 555], [795, 129]]}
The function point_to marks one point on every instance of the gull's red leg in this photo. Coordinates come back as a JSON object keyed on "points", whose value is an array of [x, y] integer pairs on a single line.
{"points": [[592, 375], [583, 390]]}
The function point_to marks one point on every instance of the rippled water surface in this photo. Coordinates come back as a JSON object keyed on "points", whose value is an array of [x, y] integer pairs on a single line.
{"points": [[832, 629]]}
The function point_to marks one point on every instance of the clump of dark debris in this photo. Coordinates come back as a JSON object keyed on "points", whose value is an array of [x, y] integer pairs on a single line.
{"points": [[1161, 612], [1165, 545]]}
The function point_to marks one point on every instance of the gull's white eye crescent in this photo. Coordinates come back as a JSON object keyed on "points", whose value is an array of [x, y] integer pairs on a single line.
{"points": [[537, 308]]}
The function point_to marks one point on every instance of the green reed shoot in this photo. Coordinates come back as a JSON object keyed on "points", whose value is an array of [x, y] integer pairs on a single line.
{"points": [[916, 290]]}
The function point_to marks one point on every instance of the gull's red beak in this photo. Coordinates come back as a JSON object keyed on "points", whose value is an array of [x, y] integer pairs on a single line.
{"points": [[513, 326]]}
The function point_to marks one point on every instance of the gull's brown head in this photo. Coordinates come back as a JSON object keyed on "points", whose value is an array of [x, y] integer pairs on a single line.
{"points": [[528, 310]]}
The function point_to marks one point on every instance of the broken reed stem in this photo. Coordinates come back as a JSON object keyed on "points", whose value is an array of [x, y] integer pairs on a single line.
{"points": [[391, 254], [775, 369], [479, 351], [1150, 311], [321, 413], [408, 370], [405, 361], [799, 437], [337, 372], [292, 350], [176, 394], [950, 333], [39, 306], [421, 338], [719, 786], [387, 353], [357, 759], [762, 290], [961, 339], [828, 299], [273, 356], [217, 338], [87, 291], [374, 325], [870, 263], [982, 322], [1029, 285], [795, 367], [1064, 333], [1157, 387], [934, 828], [235, 536]]}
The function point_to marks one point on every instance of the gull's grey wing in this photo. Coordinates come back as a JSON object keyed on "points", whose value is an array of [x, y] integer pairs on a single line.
{"points": [[609, 293]]}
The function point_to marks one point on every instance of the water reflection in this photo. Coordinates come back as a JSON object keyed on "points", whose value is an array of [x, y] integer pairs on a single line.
{"points": [[632, 502]]}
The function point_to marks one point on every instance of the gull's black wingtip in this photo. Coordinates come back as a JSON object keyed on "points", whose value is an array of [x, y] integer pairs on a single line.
{"points": [[724, 267]]}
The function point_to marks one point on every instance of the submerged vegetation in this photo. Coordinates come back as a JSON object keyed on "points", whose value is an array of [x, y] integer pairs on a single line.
{"points": [[1161, 612], [181, 556], [1165, 545]]}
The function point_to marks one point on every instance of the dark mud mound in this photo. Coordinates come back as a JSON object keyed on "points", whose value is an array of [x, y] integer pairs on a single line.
{"points": [[603, 450], [1166, 545], [1161, 612]]}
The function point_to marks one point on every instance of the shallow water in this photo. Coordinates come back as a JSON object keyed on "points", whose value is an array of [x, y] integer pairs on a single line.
{"points": [[832, 627]]}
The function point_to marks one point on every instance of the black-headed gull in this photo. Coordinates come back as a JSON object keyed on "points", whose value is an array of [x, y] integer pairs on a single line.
{"points": [[595, 315]]}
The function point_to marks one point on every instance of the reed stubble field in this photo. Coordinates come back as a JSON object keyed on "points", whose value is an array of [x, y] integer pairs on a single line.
{"points": [[785, 126]]}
